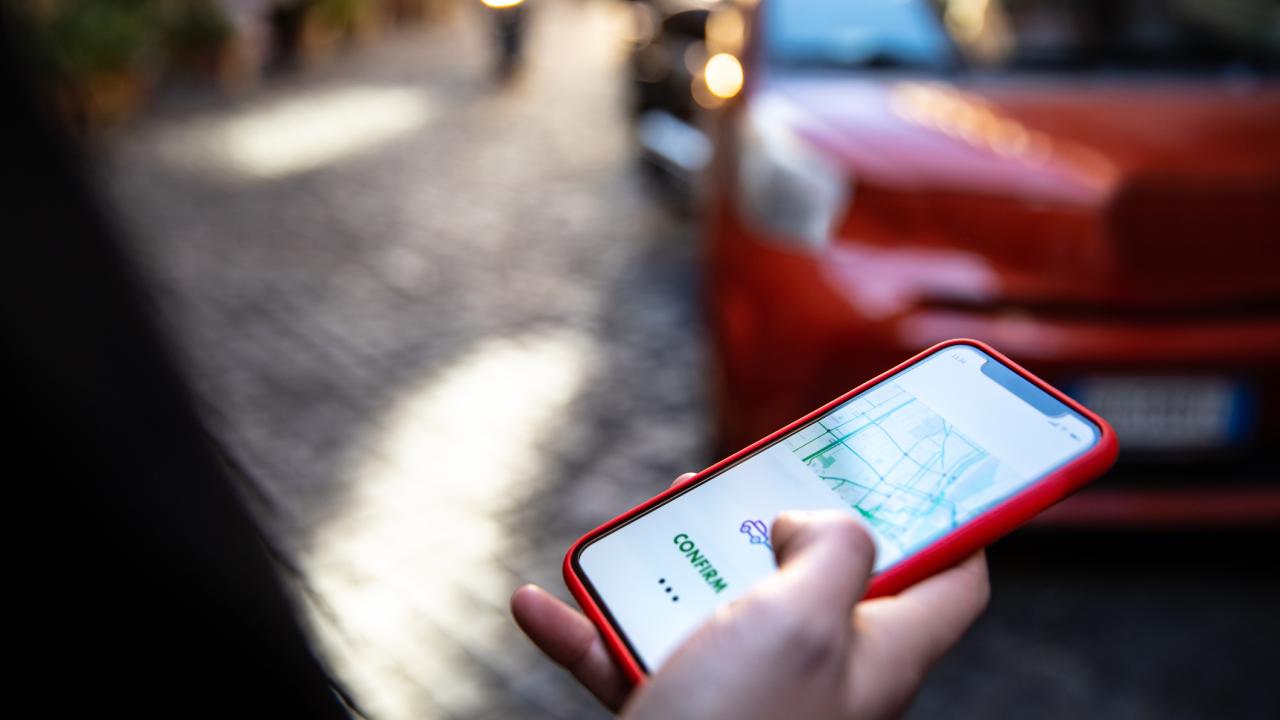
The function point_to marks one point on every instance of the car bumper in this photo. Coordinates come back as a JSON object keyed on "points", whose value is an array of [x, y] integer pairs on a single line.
{"points": [[1102, 508], [791, 334]]}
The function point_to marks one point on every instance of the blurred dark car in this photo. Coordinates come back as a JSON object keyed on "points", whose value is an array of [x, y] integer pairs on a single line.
{"points": [[1091, 186], [668, 51]]}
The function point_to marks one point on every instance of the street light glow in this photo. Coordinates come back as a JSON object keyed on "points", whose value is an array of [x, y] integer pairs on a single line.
{"points": [[723, 75], [301, 133]]}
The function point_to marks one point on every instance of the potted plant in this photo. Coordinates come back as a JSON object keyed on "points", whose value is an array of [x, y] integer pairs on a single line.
{"points": [[101, 56], [325, 25], [199, 37]]}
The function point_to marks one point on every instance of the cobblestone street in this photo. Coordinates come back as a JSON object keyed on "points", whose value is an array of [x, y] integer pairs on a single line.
{"points": [[443, 357], [448, 342]]}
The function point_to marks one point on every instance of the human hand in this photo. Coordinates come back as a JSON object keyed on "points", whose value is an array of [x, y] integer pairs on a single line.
{"points": [[571, 640], [798, 645]]}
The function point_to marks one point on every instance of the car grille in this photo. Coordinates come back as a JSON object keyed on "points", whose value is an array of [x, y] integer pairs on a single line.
{"points": [[1178, 233]]}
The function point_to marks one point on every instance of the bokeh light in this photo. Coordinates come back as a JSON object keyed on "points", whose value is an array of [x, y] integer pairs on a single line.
{"points": [[724, 75]]}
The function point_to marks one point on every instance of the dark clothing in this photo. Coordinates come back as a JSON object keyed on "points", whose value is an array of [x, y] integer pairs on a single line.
{"points": [[144, 587]]}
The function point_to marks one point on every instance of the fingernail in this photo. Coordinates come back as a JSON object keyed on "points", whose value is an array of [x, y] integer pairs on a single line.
{"points": [[530, 587]]}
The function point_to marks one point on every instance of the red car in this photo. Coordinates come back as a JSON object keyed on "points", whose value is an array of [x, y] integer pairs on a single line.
{"points": [[1093, 187]]}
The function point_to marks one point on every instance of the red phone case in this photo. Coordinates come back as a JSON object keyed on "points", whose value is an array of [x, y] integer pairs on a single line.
{"points": [[979, 532]]}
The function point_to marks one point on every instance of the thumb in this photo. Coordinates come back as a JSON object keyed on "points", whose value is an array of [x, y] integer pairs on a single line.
{"points": [[824, 562]]}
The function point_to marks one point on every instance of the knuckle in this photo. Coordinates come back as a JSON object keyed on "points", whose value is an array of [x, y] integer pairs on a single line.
{"points": [[850, 534], [817, 645], [812, 642]]}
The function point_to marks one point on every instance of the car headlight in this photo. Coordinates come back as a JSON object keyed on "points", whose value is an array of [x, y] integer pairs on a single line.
{"points": [[786, 190]]}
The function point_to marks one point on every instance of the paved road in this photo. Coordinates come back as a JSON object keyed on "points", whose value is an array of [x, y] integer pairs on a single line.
{"points": [[448, 330]]}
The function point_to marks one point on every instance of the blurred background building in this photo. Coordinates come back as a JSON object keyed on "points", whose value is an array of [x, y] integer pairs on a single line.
{"points": [[450, 318]]}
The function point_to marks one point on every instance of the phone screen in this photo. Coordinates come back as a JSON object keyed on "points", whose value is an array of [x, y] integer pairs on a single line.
{"points": [[914, 456]]}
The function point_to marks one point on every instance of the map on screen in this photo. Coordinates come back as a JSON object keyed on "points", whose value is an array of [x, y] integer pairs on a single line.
{"points": [[907, 471], [914, 456]]}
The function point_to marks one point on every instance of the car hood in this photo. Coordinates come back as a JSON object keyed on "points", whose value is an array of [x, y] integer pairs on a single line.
{"points": [[1155, 192]]}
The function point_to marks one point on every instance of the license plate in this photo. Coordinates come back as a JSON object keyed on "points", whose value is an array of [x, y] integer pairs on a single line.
{"points": [[1170, 413]]}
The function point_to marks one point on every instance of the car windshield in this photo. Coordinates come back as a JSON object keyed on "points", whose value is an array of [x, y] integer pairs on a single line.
{"points": [[1060, 35]]}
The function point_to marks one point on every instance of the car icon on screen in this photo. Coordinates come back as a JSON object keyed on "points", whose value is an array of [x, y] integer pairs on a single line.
{"points": [[757, 532]]}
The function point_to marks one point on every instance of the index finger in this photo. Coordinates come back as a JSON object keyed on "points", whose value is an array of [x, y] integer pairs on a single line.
{"points": [[929, 617], [898, 638], [824, 563]]}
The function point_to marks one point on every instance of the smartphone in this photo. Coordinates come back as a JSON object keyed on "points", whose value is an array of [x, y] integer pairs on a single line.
{"points": [[938, 457]]}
